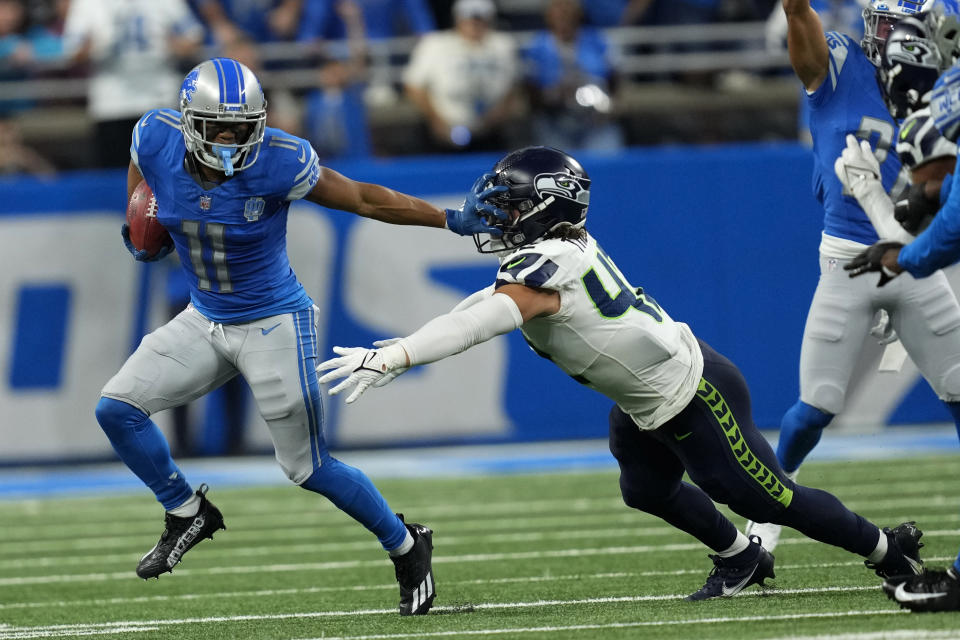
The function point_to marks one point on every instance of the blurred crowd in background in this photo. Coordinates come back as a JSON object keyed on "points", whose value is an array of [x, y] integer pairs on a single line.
{"points": [[365, 78]]}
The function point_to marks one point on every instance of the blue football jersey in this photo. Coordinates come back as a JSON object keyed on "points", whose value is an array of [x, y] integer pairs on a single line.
{"points": [[231, 239], [849, 101]]}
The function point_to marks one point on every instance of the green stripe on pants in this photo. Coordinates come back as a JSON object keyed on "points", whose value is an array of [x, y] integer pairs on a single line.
{"points": [[751, 464]]}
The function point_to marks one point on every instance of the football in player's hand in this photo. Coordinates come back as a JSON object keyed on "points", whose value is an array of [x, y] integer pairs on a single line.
{"points": [[146, 232]]}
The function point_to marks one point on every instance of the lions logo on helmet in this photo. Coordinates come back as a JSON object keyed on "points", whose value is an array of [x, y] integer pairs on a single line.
{"points": [[189, 86], [547, 190], [910, 67]]}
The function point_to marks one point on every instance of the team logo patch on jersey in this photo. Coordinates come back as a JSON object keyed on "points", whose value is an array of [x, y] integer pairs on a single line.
{"points": [[205, 203], [562, 185], [253, 209]]}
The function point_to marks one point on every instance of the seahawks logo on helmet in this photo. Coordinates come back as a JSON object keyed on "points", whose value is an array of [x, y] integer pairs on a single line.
{"points": [[562, 185]]}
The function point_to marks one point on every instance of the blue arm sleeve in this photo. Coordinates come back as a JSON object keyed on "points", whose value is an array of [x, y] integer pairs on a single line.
{"points": [[939, 245]]}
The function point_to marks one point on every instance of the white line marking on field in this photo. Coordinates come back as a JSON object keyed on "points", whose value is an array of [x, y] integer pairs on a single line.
{"points": [[62, 629], [899, 634], [611, 625]]}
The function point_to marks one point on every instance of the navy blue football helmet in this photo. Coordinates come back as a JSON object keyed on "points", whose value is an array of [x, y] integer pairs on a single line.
{"points": [[909, 67], [547, 190]]}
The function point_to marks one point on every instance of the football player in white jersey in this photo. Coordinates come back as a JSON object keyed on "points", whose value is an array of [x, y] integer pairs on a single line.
{"points": [[679, 406], [841, 81]]}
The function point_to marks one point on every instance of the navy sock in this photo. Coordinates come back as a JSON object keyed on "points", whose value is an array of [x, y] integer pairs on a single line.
{"points": [[821, 516], [954, 409], [142, 447], [353, 493], [800, 432]]}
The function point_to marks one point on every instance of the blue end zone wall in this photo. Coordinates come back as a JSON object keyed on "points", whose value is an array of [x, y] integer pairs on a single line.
{"points": [[724, 238]]}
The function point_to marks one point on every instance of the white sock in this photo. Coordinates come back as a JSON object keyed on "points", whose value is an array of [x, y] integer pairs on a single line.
{"points": [[793, 474], [404, 547], [741, 543], [881, 551], [188, 509]]}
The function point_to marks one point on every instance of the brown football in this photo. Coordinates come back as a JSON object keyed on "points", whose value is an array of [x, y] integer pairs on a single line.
{"points": [[146, 232]]}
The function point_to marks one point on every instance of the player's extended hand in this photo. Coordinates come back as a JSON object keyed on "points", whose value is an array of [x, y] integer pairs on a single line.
{"points": [[880, 257], [360, 367], [856, 164], [139, 254], [476, 215]]}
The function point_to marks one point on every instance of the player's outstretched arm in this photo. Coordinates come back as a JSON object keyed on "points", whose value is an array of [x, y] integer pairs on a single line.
{"points": [[807, 44], [336, 191], [440, 338]]}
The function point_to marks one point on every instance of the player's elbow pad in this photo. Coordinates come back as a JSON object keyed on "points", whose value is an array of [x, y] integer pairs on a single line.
{"points": [[455, 332]]}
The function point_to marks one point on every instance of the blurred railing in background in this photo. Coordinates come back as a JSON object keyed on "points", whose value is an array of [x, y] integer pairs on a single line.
{"points": [[679, 84]]}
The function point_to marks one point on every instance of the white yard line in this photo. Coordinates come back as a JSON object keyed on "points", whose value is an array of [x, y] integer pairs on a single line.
{"points": [[120, 626]]}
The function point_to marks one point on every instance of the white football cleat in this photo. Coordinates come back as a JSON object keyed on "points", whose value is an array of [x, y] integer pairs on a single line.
{"points": [[768, 533]]}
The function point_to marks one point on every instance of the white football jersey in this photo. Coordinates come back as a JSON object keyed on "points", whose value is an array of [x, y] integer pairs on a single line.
{"points": [[608, 334]]}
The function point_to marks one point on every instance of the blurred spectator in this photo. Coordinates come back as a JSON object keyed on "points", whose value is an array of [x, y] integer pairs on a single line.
{"points": [[23, 45], [571, 79], [261, 20], [16, 157], [612, 13], [336, 114], [679, 12], [464, 80], [382, 19], [131, 47]]}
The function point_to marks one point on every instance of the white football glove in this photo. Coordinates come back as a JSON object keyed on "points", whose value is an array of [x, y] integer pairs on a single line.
{"points": [[390, 375], [857, 167], [361, 368]]}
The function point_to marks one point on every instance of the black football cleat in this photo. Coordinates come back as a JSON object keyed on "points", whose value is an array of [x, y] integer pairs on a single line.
{"points": [[415, 572], [179, 536], [903, 552], [730, 577], [929, 591]]}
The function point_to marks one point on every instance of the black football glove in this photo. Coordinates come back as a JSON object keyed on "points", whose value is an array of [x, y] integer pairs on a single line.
{"points": [[871, 259], [915, 209]]}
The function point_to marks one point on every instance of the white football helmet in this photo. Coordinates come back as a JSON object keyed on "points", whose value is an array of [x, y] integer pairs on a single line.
{"points": [[879, 18], [219, 93]]}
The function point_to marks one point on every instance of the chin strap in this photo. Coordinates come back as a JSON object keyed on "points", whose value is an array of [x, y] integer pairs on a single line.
{"points": [[226, 157]]}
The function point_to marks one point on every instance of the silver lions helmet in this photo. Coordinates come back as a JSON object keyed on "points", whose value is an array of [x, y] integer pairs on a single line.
{"points": [[220, 95], [881, 16]]}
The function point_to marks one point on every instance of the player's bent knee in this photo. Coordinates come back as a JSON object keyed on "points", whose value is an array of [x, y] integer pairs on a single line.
{"points": [[116, 415], [826, 398]]}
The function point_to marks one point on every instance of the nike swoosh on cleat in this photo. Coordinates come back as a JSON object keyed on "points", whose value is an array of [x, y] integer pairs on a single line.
{"points": [[902, 595], [266, 331], [737, 588]]}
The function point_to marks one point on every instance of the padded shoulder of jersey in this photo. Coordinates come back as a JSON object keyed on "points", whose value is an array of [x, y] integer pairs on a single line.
{"points": [[290, 161], [542, 265], [152, 131]]}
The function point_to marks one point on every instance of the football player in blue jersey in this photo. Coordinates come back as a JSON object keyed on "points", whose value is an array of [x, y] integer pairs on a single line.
{"points": [[845, 98], [679, 405], [224, 182], [936, 247]]}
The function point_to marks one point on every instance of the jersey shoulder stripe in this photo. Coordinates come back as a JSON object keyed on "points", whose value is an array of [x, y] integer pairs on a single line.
{"points": [[152, 131], [529, 269], [839, 46]]}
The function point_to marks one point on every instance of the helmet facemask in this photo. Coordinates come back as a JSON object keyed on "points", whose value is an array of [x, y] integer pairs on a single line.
{"points": [[880, 17]]}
